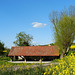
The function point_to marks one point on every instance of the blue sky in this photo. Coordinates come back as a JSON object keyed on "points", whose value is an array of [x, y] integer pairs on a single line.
{"points": [[30, 16]]}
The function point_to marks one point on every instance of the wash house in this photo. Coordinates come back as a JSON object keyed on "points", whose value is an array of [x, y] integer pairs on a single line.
{"points": [[31, 53]]}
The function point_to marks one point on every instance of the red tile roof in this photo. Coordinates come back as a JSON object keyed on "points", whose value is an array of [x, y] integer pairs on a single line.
{"points": [[34, 51]]}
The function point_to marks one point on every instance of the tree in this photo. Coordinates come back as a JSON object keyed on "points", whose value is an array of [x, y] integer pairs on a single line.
{"points": [[64, 27], [23, 39], [1, 48], [52, 44], [6, 50]]}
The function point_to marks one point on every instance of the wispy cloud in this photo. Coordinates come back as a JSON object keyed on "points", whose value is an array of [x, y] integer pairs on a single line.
{"points": [[38, 25], [34, 42]]}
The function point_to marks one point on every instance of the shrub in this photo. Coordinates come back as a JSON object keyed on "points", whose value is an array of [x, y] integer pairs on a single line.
{"points": [[4, 58], [66, 66]]}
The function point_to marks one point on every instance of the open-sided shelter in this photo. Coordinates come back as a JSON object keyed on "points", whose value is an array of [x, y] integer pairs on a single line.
{"points": [[33, 51]]}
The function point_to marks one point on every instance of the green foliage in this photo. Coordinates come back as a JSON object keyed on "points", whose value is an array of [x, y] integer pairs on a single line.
{"points": [[23, 39], [69, 53], [1, 48], [6, 53], [66, 66], [52, 44], [5, 59], [30, 71], [55, 60], [64, 26], [66, 32]]}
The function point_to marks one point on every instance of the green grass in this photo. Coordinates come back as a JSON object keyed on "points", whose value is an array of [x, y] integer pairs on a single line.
{"points": [[66, 66], [4, 61], [30, 71], [55, 60], [22, 71]]}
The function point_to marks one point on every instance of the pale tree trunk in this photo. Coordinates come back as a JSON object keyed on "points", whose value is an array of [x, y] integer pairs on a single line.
{"points": [[62, 54]]}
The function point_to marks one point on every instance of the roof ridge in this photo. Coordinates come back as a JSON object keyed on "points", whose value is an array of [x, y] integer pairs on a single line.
{"points": [[33, 46]]}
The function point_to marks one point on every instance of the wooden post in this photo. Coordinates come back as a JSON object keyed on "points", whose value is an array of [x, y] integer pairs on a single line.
{"points": [[24, 58], [14, 57], [40, 59]]}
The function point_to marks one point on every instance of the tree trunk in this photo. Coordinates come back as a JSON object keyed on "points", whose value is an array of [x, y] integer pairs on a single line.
{"points": [[62, 55]]}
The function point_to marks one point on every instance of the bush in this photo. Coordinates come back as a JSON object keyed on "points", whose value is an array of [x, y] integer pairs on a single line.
{"points": [[69, 53], [66, 66], [5, 59]]}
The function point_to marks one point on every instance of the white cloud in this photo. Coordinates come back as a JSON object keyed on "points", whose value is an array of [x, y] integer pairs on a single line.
{"points": [[38, 25], [34, 42], [45, 24]]}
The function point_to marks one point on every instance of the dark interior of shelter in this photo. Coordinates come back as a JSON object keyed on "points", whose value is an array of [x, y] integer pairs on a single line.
{"points": [[35, 58]]}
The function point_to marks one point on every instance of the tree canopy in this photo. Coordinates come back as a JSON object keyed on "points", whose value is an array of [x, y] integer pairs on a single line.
{"points": [[64, 26], [23, 39], [1, 47]]}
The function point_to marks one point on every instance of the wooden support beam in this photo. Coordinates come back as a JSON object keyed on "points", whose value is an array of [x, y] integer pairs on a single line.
{"points": [[24, 58]]}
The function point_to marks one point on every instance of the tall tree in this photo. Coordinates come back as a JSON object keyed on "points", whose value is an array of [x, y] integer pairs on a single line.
{"points": [[6, 51], [23, 39], [64, 26], [1, 48]]}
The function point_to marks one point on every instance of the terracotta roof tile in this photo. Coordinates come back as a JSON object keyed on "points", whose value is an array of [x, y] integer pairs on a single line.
{"points": [[34, 51]]}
